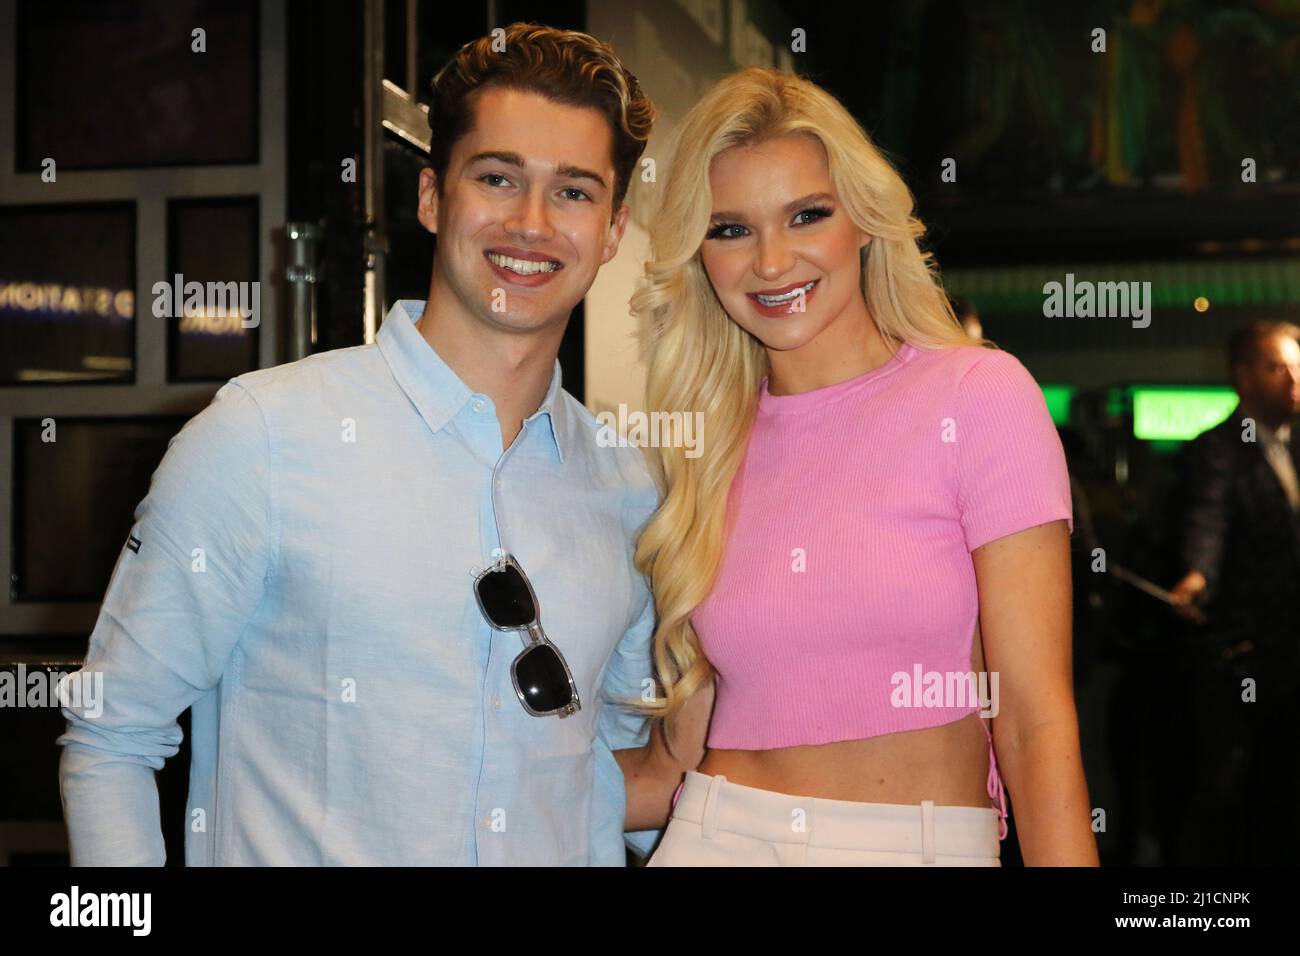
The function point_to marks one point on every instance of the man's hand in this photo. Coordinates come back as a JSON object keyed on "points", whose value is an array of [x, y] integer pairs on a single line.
{"points": [[652, 772], [1189, 594]]}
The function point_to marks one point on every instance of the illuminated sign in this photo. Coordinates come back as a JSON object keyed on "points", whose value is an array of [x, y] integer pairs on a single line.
{"points": [[51, 298], [1058, 398], [1179, 413]]}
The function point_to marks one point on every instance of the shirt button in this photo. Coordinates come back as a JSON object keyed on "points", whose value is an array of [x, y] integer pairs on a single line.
{"points": [[496, 702], [478, 405], [497, 482]]}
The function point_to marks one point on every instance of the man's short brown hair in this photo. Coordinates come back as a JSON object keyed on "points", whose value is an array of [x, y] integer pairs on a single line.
{"points": [[564, 66], [1243, 345]]}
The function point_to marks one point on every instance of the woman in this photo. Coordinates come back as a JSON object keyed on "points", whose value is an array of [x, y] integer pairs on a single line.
{"points": [[873, 488]]}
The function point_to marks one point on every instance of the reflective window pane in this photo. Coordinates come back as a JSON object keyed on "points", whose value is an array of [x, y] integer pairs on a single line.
{"points": [[113, 83], [67, 299], [75, 499], [212, 295]]}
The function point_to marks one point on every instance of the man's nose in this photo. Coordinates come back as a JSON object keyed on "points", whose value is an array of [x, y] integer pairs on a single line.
{"points": [[530, 217]]}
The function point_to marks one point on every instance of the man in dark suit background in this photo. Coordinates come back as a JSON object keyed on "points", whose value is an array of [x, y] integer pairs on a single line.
{"points": [[1241, 552]]}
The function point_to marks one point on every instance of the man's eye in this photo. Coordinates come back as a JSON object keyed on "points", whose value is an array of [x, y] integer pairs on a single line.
{"points": [[493, 179], [573, 192], [723, 231]]}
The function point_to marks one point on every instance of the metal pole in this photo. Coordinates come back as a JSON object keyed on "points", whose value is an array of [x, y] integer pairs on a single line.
{"points": [[301, 273], [375, 241]]}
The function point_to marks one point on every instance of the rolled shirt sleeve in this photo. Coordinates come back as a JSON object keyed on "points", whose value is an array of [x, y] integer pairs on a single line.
{"points": [[180, 596]]}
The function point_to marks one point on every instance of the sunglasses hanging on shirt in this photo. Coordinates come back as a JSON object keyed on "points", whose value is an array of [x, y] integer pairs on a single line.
{"points": [[540, 674]]}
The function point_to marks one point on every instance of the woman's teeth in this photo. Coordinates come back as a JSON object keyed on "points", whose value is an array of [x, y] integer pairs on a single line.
{"points": [[770, 300], [525, 267]]}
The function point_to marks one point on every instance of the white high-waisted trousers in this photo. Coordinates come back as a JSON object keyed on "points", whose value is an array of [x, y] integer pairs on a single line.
{"points": [[719, 823]]}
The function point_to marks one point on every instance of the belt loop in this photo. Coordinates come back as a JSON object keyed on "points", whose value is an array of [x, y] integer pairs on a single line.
{"points": [[711, 806], [927, 831]]}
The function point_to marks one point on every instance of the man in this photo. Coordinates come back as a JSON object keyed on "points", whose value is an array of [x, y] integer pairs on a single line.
{"points": [[303, 572], [1241, 549]]}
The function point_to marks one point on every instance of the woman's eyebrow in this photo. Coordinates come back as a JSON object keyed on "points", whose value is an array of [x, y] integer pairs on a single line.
{"points": [[789, 207], [811, 197]]}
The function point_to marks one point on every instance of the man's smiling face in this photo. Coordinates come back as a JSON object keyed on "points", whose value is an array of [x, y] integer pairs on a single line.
{"points": [[525, 217]]}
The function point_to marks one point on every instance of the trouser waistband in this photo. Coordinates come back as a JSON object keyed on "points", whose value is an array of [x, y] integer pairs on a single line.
{"points": [[717, 804]]}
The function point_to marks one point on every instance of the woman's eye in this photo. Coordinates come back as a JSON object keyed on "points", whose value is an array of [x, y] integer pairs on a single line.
{"points": [[814, 215], [723, 231]]}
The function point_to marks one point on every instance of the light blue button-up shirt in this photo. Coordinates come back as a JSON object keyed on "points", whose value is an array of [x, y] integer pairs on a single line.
{"points": [[301, 573]]}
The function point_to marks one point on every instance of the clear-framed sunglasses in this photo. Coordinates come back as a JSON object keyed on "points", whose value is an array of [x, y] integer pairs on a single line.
{"points": [[540, 674]]}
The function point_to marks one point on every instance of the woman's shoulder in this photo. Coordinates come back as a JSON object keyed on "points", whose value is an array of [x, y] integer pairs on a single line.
{"points": [[966, 366], [974, 378], [962, 358]]}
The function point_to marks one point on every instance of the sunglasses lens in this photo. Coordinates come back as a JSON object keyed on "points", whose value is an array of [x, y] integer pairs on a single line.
{"points": [[542, 679], [505, 598]]}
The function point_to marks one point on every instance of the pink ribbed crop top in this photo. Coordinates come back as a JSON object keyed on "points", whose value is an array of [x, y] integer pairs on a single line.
{"points": [[847, 571]]}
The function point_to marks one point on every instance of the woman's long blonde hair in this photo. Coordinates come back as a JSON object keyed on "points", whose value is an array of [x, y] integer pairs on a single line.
{"points": [[700, 360]]}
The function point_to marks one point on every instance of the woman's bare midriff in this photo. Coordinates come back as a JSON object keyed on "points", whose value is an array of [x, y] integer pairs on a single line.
{"points": [[948, 764]]}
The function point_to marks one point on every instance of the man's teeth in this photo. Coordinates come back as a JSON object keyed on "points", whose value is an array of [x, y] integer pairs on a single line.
{"points": [[525, 267], [785, 296]]}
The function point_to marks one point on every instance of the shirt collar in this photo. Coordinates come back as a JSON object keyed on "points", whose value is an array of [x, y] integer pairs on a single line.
{"points": [[438, 392], [1281, 434]]}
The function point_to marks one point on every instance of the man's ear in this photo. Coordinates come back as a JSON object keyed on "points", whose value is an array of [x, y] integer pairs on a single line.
{"points": [[616, 228], [427, 210]]}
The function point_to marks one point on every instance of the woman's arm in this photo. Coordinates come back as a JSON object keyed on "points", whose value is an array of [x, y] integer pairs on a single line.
{"points": [[1025, 616], [651, 773]]}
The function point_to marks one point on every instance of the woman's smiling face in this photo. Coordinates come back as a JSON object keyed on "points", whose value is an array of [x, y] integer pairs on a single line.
{"points": [[780, 251]]}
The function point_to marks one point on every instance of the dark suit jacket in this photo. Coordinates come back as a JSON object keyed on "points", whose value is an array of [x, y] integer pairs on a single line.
{"points": [[1241, 534]]}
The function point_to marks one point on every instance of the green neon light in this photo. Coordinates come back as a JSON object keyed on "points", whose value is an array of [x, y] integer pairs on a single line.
{"points": [[1058, 398], [1179, 414], [1116, 402]]}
